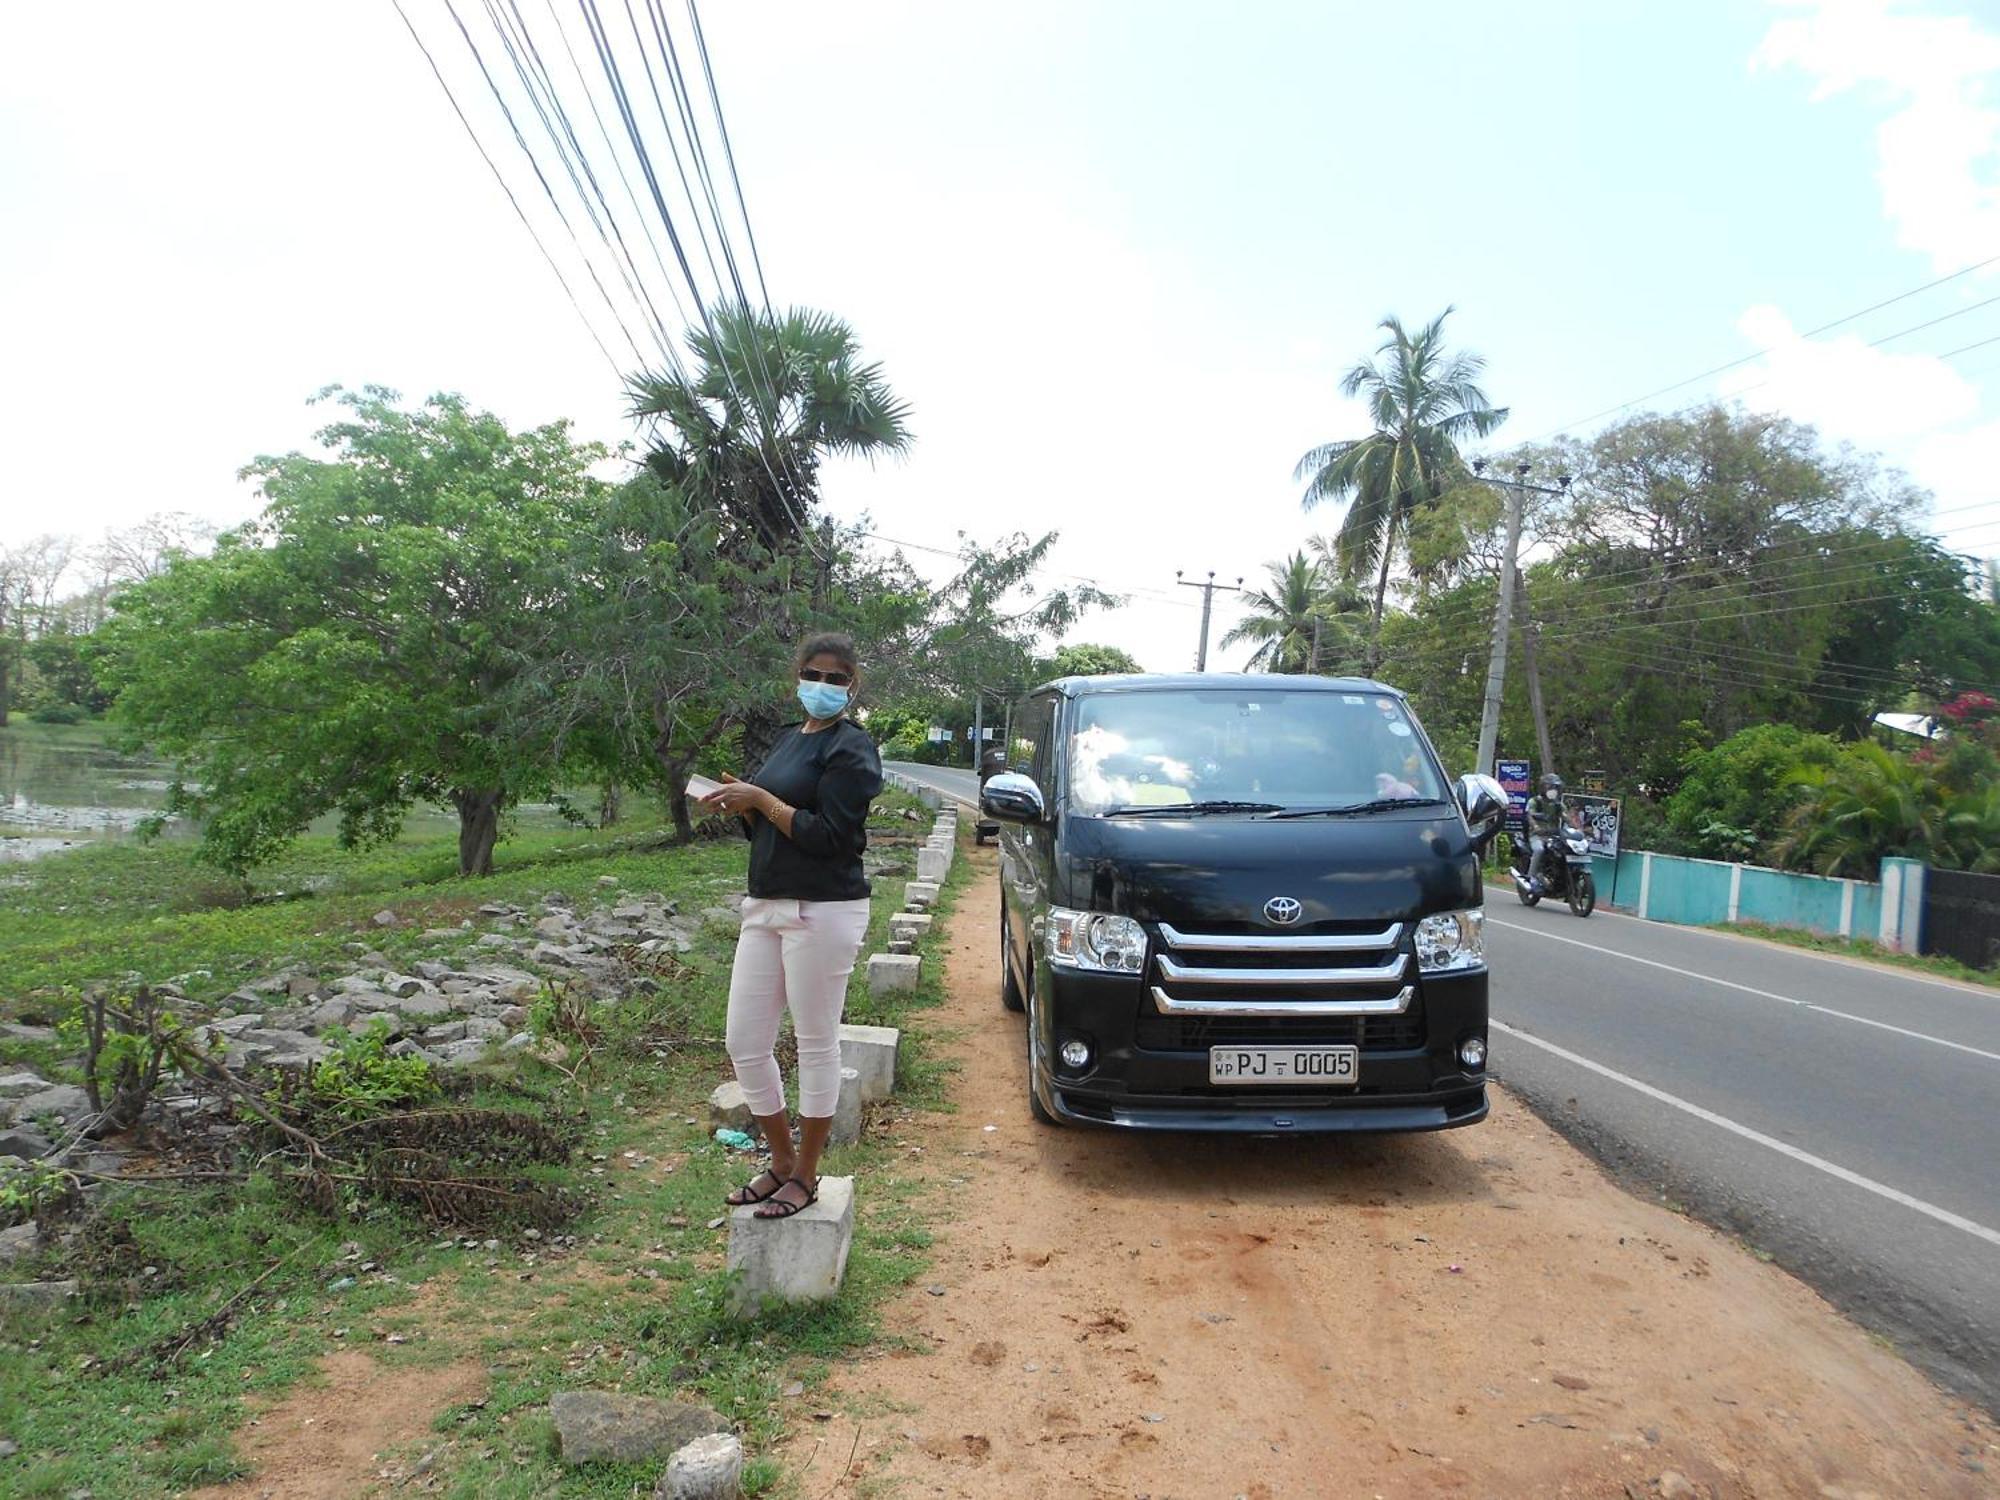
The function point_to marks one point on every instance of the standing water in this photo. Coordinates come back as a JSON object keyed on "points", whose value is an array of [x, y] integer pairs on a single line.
{"points": [[61, 785]]}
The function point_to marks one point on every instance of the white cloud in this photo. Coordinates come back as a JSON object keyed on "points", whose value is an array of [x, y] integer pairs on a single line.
{"points": [[1871, 397], [1939, 149]]}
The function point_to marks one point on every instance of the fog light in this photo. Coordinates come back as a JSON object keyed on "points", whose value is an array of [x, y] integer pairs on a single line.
{"points": [[1472, 1052], [1076, 1054]]}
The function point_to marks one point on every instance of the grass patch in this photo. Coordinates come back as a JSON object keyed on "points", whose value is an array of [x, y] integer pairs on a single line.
{"points": [[636, 1302], [1927, 963]]}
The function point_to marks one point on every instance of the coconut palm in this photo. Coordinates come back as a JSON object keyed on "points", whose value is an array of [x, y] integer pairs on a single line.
{"points": [[1301, 621], [768, 396], [1423, 403]]}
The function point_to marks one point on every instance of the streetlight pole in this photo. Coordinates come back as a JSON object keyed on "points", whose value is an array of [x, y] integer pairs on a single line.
{"points": [[1496, 669], [1207, 606]]}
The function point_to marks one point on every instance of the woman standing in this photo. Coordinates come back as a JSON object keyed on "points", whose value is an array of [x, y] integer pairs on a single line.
{"points": [[807, 814]]}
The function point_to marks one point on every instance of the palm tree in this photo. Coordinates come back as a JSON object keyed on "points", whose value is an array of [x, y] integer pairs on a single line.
{"points": [[769, 395], [1870, 803], [1303, 619], [741, 436], [1423, 403]]}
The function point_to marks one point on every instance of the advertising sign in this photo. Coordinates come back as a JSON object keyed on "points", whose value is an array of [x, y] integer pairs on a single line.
{"points": [[1514, 776], [1592, 782], [1601, 817]]}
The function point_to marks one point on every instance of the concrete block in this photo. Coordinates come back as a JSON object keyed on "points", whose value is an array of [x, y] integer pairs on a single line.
{"points": [[871, 1051], [800, 1259], [728, 1109], [930, 797], [892, 973], [846, 1128], [910, 926], [920, 895], [933, 865], [709, 1468]]}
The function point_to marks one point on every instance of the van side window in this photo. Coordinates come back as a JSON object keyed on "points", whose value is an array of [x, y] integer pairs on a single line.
{"points": [[1029, 753], [1043, 767]]}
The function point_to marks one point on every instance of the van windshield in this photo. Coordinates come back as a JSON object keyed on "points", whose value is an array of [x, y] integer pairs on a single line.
{"points": [[1268, 747]]}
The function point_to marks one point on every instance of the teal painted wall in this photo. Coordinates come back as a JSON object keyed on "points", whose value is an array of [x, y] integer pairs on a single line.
{"points": [[1696, 892]]}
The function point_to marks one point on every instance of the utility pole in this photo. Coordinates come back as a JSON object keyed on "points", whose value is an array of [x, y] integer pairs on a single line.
{"points": [[1207, 607], [1496, 670], [1531, 642]]}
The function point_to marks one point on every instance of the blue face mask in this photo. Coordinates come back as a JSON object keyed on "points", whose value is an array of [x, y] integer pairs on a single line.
{"points": [[821, 701]]}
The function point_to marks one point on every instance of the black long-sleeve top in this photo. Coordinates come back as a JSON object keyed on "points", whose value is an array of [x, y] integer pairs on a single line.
{"points": [[829, 779]]}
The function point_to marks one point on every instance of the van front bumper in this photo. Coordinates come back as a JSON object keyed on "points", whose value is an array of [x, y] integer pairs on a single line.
{"points": [[1143, 1077]]}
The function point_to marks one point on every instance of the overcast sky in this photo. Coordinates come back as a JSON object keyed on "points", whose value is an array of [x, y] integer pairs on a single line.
{"points": [[1115, 255]]}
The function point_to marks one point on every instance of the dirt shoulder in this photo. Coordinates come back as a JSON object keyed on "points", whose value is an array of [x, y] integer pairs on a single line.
{"points": [[1481, 1312]]}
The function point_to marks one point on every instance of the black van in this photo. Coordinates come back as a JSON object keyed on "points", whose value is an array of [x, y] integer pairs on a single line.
{"points": [[1242, 903]]}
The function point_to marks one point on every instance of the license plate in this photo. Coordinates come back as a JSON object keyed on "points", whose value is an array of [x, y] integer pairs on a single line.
{"points": [[1294, 1065]]}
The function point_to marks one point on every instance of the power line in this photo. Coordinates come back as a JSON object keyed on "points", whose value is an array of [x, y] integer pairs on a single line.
{"points": [[513, 202], [537, 83], [728, 152], [601, 40], [1759, 354], [535, 165]]}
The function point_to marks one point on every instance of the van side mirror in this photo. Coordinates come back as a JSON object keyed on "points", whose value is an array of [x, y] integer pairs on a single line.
{"points": [[1484, 803], [1010, 797]]}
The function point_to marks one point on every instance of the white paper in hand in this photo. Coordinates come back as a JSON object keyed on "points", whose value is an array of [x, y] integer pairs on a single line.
{"points": [[700, 787]]}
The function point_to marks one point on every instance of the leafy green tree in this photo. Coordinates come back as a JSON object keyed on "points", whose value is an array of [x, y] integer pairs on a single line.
{"points": [[1086, 660], [354, 649], [1738, 797], [1423, 403]]}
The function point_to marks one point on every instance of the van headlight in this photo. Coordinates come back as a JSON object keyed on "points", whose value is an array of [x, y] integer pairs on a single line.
{"points": [[1452, 941], [1096, 940]]}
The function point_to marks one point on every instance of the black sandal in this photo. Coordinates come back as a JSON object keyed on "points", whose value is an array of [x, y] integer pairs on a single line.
{"points": [[743, 1197], [786, 1209]]}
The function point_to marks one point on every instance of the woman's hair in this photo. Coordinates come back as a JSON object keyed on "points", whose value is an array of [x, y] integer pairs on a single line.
{"points": [[830, 643]]}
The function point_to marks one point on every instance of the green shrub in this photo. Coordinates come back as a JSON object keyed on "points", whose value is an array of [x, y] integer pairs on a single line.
{"points": [[59, 713], [359, 1077], [1737, 799]]}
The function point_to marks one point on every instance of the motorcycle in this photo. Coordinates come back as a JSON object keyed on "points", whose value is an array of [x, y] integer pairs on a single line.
{"points": [[1566, 871]]}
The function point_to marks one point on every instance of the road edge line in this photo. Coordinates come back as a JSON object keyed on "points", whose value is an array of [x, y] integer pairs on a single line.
{"points": [[1783, 1148]]}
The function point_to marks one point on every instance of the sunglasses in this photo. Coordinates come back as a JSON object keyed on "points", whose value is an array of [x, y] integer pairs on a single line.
{"points": [[831, 679]]}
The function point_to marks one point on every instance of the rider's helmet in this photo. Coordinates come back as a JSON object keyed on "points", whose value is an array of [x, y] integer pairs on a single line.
{"points": [[1552, 783]]}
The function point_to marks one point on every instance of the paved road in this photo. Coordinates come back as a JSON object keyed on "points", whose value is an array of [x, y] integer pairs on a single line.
{"points": [[963, 785], [1843, 1118]]}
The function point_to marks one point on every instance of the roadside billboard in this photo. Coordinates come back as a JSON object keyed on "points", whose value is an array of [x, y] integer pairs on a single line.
{"points": [[1601, 817], [1516, 777]]}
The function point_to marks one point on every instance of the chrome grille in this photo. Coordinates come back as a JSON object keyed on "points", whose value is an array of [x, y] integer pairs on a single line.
{"points": [[1357, 985]]}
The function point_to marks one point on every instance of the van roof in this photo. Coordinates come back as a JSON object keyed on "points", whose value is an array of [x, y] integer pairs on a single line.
{"points": [[1074, 687]]}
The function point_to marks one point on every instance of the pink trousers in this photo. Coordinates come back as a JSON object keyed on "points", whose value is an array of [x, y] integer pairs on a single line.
{"points": [[796, 953]]}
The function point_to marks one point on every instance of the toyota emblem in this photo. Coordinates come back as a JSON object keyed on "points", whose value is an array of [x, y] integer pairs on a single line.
{"points": [[1282, 910]]}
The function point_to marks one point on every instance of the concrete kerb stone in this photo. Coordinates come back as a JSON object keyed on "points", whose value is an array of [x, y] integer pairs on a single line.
{"points": [[893, 973], [871, 1051], [910, 926], [799, 1259], [920, 895], [846, 1127], [933, 865]]}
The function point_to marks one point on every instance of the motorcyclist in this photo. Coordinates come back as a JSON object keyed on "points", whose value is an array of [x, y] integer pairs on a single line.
{"points": [[1545, 820]]}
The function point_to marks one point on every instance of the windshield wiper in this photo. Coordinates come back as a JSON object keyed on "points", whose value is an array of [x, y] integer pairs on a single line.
{"points": [[1380, 804], [1181, 809]]}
